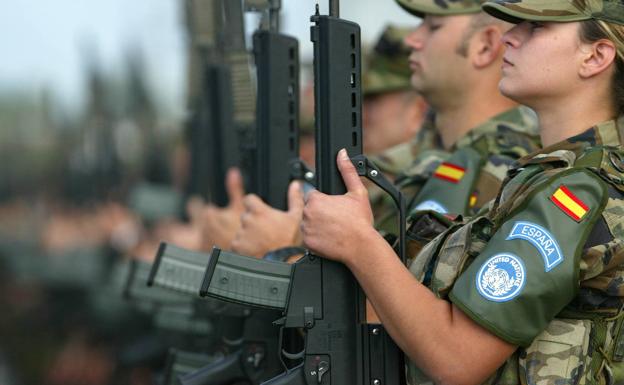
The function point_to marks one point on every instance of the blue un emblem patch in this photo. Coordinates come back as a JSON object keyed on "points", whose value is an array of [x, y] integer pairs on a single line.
{"points": [[501, 278]]}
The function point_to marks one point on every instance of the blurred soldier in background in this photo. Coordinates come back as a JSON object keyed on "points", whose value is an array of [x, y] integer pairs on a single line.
{"points": [[392, 110]]}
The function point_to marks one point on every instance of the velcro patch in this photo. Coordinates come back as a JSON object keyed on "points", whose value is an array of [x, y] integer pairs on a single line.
{"points": [[431, 205], [473, 200], [449, 172], [569, 203], [542, 239], [501, 278]]}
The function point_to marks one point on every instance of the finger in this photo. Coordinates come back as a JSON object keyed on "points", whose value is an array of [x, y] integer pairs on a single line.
{"points": [[349, 174], [194, 207], [246, 219], [295, 198], [235, 187], [252, 203]]}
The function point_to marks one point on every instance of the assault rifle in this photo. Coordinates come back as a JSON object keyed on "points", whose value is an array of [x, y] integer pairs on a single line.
{"points": [[321, 296], [180, 363], [221, 129], [277, 61]]}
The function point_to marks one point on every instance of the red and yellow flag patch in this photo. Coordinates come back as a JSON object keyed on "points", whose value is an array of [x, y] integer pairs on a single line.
{"points": [[473, 200], [449, 172], [569, 203]]}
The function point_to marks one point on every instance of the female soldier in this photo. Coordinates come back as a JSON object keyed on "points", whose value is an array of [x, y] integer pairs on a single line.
{"points": [[531, 291]]}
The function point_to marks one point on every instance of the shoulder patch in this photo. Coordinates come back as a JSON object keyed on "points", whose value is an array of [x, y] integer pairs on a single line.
{"points": [[542, 239], [431, 205], [569, 203], [449, 172], [501, 278]]}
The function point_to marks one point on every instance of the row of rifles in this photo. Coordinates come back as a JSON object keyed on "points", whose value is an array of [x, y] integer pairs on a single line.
{"points": [[264, 321]]}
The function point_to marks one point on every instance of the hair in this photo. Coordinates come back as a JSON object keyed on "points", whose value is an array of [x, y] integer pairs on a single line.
{"points": [[478, 21], [593, 30]]}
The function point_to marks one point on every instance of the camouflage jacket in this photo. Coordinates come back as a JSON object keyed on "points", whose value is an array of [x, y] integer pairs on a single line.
{"points": [[464, 179], [543, 268], [398, 158]]}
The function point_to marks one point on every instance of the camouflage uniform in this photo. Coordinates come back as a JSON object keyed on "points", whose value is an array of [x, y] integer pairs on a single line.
{"points": [[542, 269], [478, 163]]}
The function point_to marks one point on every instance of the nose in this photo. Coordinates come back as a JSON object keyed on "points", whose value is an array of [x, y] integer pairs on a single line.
{"points": [[512, 37], [414, 39]]}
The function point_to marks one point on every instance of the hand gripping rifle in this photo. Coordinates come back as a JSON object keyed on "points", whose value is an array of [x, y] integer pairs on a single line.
{"points": [[321, 296], [277, 163]]}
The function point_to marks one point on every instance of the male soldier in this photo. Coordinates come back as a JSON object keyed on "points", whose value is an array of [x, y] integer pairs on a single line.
{"points": [[392, 114], [392, 111], [476, 134]]}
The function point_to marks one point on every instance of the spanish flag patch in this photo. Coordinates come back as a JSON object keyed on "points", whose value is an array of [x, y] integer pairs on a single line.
{"points": [[473, 200], [449, 172], [569, 203]]}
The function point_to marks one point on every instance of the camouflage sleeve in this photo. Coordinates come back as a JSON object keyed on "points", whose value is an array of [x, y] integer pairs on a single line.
{"points": [[490, 180], [529, 270]]}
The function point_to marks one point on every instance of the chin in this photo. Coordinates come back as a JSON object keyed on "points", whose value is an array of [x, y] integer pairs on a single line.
{"points": [[508, 90]]}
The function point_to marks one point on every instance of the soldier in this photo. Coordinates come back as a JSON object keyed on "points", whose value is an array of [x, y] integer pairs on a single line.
{"points": [[392, 111], [531, 290], [476, 133]]}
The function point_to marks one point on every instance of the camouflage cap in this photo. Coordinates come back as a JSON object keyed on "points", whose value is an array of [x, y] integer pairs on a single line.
{"points": [[515, 11], [387, 67], [420, 8]]}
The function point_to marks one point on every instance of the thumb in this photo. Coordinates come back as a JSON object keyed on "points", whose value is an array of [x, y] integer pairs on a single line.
{"points": [[349, 174], [235, 187], [295, 198]]}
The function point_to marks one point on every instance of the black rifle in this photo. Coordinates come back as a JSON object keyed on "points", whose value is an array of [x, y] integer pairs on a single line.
{"points": [[221, 127], [180, 363], [318, 295], [277, 163]]}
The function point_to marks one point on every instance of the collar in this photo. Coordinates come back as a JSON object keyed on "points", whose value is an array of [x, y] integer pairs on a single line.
{"points": [[609, 133], [519, 119]]}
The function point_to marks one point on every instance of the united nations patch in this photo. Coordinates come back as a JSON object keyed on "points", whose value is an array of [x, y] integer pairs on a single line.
{"points": [[501, 278], [431, 205]]}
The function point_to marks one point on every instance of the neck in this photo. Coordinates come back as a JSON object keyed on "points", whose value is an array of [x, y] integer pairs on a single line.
{"points": [[558, 121], [453, 121]]}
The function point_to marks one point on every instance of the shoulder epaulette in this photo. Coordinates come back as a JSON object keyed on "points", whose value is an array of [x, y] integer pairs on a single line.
{"points": [[606, 161]]}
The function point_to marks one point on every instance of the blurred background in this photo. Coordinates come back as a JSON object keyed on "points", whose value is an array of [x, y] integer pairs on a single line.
{"points": [[93, 102]]}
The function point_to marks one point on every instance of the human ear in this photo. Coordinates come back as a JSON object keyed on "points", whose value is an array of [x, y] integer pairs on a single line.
{"points": [[597, 57], [487, 46]]}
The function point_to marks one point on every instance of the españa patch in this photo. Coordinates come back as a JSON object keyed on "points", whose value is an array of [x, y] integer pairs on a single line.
{"points": [[569, 203], [542, 239], [449, 172]]}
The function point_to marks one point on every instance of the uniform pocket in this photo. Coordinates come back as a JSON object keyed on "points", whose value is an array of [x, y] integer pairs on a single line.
{"points": [[559, 355]]}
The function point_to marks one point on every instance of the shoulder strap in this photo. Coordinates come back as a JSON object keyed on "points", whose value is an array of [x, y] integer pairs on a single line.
{"points": [[607, 162]]}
